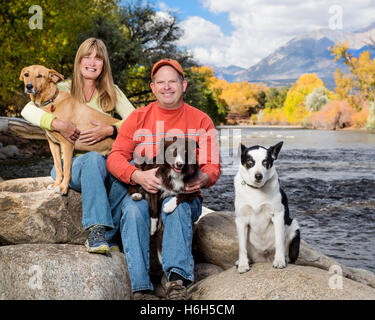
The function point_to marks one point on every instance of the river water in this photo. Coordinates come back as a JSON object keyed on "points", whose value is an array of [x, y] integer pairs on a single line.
{"points": [[328, 176]]}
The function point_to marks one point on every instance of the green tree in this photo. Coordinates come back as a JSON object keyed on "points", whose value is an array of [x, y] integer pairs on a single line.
{"points": [[53, 46], [153, 37], [275, 97], [200, 96]]}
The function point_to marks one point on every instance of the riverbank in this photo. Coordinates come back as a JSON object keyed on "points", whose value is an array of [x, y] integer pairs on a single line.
{"points": [[288, 127]]}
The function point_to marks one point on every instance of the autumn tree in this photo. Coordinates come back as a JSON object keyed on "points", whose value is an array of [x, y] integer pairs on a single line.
{"points": [[362, 70], [294, 105], [359, 84]]}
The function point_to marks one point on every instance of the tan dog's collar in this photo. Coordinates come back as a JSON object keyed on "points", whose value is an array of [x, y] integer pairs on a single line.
{"points": [[43, 104]]}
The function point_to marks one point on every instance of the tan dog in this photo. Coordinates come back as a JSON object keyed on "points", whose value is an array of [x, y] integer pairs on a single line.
{"points": [[41, 85]]}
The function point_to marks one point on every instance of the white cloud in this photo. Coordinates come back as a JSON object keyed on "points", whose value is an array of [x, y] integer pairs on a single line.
{"points": [[260, 27]]}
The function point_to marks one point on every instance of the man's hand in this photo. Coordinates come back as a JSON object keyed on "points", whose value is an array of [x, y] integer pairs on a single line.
{"points": [[147, 179], [200, 182], [67, 129], [96, 134]]}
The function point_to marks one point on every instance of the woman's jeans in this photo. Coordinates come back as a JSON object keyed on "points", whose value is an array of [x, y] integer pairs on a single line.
{"points": [[101, 193], [177, 240]]}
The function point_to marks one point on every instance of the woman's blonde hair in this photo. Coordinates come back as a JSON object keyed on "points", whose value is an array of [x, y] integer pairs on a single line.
{"points": [[104, 83]]}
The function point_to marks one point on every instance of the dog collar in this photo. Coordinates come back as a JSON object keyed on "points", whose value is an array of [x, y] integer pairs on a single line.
{"points": [[49, 101], [243, 182]]}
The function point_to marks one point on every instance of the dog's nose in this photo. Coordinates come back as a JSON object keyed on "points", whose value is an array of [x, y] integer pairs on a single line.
{"points": [[258, 176], [179, 164], [29, 86]]}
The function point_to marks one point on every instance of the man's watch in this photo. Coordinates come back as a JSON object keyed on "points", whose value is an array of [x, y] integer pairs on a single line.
{"points": [[114, 135]]}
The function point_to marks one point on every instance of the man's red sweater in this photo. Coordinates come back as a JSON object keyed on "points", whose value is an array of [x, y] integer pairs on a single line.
{"points": [[143, 129]]}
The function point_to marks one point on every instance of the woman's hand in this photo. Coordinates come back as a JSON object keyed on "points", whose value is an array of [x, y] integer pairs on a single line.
{"points": [[67, 129], [96, 134], [147, 179], [200, 182]]}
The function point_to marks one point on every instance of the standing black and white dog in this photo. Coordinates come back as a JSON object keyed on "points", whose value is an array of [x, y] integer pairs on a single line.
{"points": [[265, 230]]}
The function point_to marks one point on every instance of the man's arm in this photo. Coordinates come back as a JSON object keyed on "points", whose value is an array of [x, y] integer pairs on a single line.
{"points": [[209, 154]]}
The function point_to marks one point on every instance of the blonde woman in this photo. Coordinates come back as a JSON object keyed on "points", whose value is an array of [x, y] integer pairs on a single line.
{"points": [[92, 83]]}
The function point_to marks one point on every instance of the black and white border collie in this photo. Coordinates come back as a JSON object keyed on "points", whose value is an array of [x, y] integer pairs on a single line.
{"points": [[177, 167], [265, 230]]}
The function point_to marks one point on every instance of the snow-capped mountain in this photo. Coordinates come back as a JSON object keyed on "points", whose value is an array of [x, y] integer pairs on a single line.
{"points": [[306, 53]]}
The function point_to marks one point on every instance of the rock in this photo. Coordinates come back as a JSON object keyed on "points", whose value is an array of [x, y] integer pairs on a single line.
{"points": [[29, 213], [10, 151], [263, 282], [204, 270], [60, 271], [215, 239], [216, 242]]}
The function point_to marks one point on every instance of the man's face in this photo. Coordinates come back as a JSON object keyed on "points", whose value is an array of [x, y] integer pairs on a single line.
{"points": [[168, 88]]}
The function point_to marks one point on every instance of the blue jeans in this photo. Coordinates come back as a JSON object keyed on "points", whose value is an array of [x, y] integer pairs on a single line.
{"points": [[102, 194], [177, 240]]}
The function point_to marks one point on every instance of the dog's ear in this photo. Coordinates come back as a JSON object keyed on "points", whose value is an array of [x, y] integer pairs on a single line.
{"points": [[55, 76], [274, 150], [22, 73], [241, 149]]}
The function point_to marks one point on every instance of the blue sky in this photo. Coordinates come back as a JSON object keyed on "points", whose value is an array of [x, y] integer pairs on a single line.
{"points": [[188, 8], [242, 32]]}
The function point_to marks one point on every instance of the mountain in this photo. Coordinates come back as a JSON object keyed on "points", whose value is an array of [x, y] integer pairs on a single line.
{"points": [[307, 53], [227, 73]]}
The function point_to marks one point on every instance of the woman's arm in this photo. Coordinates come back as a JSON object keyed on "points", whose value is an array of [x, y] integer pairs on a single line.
{"points": [[48, 121], [37, 116]]}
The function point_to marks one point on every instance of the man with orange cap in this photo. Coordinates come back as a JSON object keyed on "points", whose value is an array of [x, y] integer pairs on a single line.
{"points": [[141, 132]]}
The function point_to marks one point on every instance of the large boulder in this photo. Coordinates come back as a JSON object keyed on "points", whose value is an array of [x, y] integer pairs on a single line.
{"points": [[216, 242], [263, 282], [61, 271], [30, 213]]}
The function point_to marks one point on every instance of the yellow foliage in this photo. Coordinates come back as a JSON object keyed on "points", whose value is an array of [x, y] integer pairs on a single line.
{"points": [[239, 96], [359, 119], [294, 105], [273, 116]]}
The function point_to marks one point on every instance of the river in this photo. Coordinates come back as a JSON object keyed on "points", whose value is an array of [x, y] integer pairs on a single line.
{"points": [[329, 177]]}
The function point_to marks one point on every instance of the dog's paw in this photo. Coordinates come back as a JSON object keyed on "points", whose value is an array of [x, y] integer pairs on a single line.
{"points": [[54, 188], [242, 267], [170, 206], [51, 186], [137, 196], [63, 189], [154, 226], [279, 263]]}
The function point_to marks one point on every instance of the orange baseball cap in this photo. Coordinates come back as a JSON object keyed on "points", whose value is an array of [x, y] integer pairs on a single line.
{"points": [[167, 62]]}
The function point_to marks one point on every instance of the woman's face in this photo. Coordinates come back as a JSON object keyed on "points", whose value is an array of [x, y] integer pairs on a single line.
{"points": [[91, 66]]}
